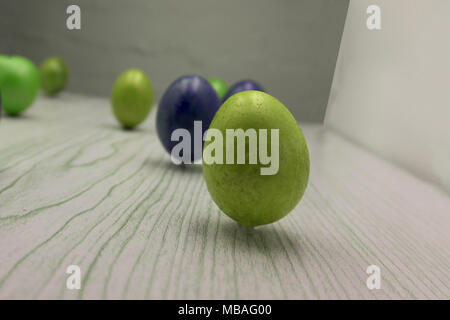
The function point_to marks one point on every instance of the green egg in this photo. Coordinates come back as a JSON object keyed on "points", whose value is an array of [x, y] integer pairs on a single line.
{"points": [[219, 85], [19, 83], [53, 74], [241, 190], [132, 98]]}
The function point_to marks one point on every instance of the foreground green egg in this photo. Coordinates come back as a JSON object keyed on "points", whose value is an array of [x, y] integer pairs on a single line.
{"points": [[241, 190], [132, 98], [53, 74]]}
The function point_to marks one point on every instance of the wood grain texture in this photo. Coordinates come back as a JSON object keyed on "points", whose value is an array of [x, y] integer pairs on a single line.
{"points": [[76, 189]]}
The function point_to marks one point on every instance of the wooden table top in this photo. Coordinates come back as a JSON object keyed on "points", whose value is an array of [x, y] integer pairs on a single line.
{"points": [[75, 189]]}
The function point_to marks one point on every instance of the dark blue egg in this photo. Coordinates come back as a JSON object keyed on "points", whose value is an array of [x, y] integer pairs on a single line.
{"points": [[188, 99], [243, 85]]}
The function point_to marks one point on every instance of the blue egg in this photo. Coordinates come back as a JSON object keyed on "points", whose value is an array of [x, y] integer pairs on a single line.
{"points": [[243, 85], [188, 99]]}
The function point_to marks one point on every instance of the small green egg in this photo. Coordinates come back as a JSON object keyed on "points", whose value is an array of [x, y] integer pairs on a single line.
{"points": [[220, 86], [241, 190], [132, 98], [53, 74]]}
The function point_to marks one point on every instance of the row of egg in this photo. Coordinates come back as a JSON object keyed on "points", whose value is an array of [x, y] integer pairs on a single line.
{"points": [[238, 189]]}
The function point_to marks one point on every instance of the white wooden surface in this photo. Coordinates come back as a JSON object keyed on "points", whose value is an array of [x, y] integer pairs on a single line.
{"points": [[76, 189]]}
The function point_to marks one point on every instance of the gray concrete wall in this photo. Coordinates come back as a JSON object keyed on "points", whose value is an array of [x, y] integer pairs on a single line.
{"points": [[289, 46]]}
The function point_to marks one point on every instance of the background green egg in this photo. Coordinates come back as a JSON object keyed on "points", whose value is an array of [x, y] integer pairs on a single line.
{"points": [[219, 85], [132, 98], [53, 74], [19, 83], [240, 190]]}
